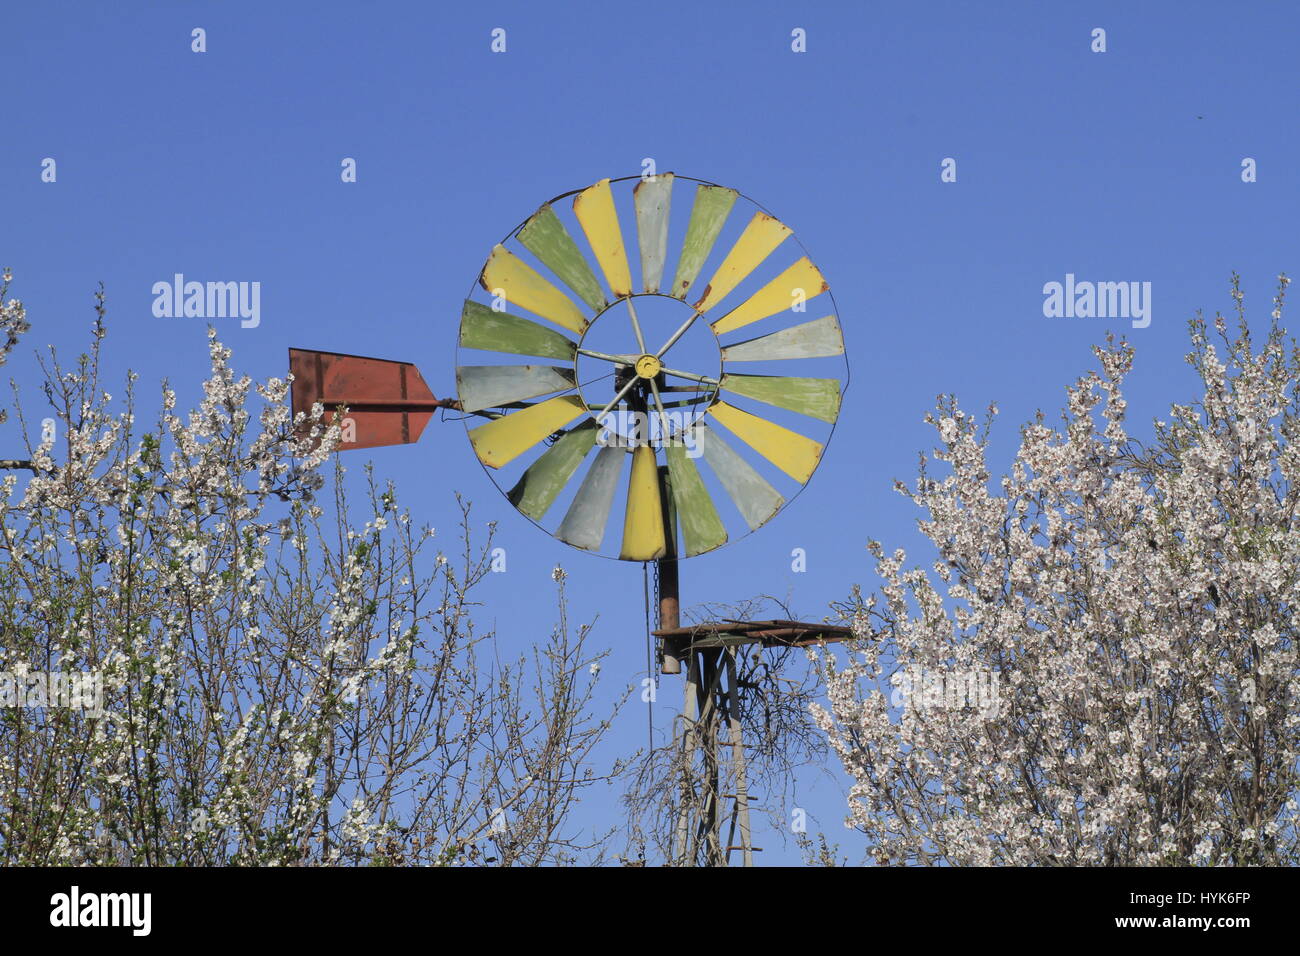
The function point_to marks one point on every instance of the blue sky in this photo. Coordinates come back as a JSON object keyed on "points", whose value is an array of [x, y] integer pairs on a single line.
{"points": [[1123, 165]]}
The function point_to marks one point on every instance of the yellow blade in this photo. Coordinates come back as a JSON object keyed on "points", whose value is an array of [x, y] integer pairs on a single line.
{"points": [[643, 528], [761, 236], [502, 440], [522, 285], [594, 207], [774, 297], [793, 453]]}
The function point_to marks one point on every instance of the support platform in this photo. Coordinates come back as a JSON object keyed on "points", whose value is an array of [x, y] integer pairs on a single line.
{"points": [[708, 737]]}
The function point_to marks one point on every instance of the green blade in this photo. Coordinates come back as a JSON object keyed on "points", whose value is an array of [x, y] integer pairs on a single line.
{"points": [[814, 397], [819, 338], [545, 478], [709, 212], [483, 328], [546, 238], [702, 529], [755, 499], [494, 386]]}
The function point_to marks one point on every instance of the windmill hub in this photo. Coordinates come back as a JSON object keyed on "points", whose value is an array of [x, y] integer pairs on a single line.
{"points": [[667, 340], [647, 366]]}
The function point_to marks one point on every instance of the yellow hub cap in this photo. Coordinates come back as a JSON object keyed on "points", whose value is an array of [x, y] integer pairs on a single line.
{"points": [[647, 366]]}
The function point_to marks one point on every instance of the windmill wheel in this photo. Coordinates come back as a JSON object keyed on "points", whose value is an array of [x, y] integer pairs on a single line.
{"points": [[667, 419]]}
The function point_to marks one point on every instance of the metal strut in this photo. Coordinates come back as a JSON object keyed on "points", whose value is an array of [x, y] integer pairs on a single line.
{"points": [[712, 763]]}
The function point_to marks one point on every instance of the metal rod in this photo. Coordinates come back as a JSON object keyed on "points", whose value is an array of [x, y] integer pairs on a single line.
{"points": [[659, 406], [636, 326], [690, 711], [360, 405], [615, 400], [677, 335], [690, 375], [710, 821], [738, 757], [669, 598], [670, 609], [608, 357]]}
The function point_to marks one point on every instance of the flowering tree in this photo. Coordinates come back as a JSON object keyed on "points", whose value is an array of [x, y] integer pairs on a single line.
{"points": [[280, 683], [1101, 667]]}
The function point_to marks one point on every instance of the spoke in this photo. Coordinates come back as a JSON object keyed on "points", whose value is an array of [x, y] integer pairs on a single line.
{"points": [[615, 400], [690, 375], [659, 406], [631, 360], [636, 326], [677, 335], [606, 357]]}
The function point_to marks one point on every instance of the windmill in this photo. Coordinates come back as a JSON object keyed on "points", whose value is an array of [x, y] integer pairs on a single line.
{"points": [[667, 417]]}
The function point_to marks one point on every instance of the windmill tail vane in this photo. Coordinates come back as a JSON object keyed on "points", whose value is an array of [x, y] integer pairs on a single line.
{"points": [[388, 402]]}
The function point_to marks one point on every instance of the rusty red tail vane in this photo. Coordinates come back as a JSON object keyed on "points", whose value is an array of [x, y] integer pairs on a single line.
{"points": [[388, 402]]}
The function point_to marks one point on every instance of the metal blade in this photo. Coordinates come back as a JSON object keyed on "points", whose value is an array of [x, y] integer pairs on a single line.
{"points": [[708, 213], [521, 284], [584, 523], [502, 440], [819, 338], [702, 529], [643, 526], [491, 331], [763, 234], [546, 238], [775, 297], [545, 478], [594, 207], [795, 454], [754, 497], [814, 397], [652, 198], [493, 386]]}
